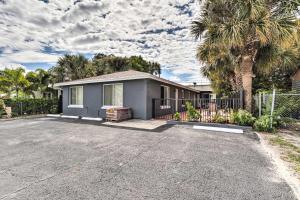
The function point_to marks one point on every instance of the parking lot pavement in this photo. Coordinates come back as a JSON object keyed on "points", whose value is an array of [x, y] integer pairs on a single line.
{"points": [[63, 159]]}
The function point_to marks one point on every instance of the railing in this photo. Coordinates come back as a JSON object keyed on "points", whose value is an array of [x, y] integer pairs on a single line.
{"points": [[209, 109]]}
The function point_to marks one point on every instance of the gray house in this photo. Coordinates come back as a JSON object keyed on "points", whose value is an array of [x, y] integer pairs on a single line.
{"points": [[90, 97]]}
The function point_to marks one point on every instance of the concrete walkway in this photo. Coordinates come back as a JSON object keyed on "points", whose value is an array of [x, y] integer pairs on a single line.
{"points": [[138, 123]]}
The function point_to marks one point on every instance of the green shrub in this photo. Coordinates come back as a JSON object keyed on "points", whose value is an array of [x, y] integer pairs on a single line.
{"points": [[219, 119], [243, 118], [264, 124], [2, 110], [31, 106], [177, 116], [192, 113]]}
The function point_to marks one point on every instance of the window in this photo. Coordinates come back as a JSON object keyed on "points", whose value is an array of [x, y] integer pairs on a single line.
{"points": [[182, 94], [182, 98], [76, 95], [113, 94], [165, 92], [165, 95]]}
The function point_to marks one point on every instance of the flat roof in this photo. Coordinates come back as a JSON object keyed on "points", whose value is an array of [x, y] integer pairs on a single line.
{"points": [[121, 76]]}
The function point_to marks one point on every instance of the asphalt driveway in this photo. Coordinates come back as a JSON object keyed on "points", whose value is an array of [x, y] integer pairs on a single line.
{"points": [[62, 159]]}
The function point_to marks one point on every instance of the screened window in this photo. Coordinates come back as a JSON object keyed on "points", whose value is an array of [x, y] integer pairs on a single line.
{"points": [[76, 95], [113, 94]]}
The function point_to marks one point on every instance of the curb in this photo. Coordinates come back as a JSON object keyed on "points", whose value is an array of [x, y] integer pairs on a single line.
{"points": [[24, 117], [245, 128]]}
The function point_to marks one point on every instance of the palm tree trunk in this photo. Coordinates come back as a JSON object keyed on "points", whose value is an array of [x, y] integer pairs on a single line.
{"points": [[247, 75], [238, 82]]}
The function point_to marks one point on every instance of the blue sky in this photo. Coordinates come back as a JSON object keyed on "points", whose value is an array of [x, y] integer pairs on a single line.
{"points": [[36, 33]]}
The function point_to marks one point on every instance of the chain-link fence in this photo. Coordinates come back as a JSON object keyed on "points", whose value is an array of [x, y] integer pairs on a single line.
{"points": [[278, 104]]}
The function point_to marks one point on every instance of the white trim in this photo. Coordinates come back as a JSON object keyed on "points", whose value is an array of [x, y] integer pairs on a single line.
{"points": [[75, 106], [52, 115], [109, 107], [70, 116], [165, 107], [176, 99], [209, 128], [92, 118]]}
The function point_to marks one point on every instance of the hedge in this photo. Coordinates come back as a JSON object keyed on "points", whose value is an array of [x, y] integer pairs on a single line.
{"points": [[32, 106]]}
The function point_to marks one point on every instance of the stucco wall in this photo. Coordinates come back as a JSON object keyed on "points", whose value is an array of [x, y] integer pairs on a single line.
{"points": [[134, 96], [138, 95]]}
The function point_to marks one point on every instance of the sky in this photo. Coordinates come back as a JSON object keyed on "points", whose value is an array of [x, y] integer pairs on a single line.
{"points": [[34, 34]]}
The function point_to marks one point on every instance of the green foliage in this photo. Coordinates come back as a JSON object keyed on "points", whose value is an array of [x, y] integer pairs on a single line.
{"points": [[192, 113], [243, 118], [2, 110], [266, 31], [264, 124], [219, 119], [13, 80], [287, 106], [177, 116], [32, 106], [72, 67]]}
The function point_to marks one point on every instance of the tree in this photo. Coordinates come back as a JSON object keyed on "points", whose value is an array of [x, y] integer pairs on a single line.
{"points": [[248, 36], [38, 81], [14, 79], [72, 67]]}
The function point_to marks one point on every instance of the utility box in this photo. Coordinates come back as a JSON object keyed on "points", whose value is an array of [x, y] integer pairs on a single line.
{"points": [[118, 114]]}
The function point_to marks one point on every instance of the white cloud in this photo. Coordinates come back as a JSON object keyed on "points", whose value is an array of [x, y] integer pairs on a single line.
{"points": [[10, 66], [28, 57], [157, 30]]}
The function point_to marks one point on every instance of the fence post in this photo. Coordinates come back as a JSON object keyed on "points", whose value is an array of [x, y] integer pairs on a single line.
{"points": [[272, 108], [153, 109], [259, 104], [21, 108], [241, 99]]}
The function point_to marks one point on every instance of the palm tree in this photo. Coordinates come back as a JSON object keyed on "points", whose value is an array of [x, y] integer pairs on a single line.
{"points": [[246, 34], [14, 79], [39, 81]]}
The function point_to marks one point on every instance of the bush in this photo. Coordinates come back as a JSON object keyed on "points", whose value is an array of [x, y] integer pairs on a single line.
{"points": [[243, 118], [32, 106], [192, 113], [177, 116], [2, 110], [264, 124], [219, 119]]}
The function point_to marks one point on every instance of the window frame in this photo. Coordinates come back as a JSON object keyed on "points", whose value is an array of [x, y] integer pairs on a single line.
{"points": [[165, 103], [70, 97], [182, 98], [113, 95]]}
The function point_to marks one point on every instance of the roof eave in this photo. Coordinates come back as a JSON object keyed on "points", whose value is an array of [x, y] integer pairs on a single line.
{"points": [[63, 84]]}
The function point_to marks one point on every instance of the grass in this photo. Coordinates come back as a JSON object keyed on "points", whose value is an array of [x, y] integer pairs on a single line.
{"points": [[291, 151], [295, 158], [283, 143]]}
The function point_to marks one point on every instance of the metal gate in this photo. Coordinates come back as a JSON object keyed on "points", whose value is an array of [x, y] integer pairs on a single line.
{"points": [[207, 108]]}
